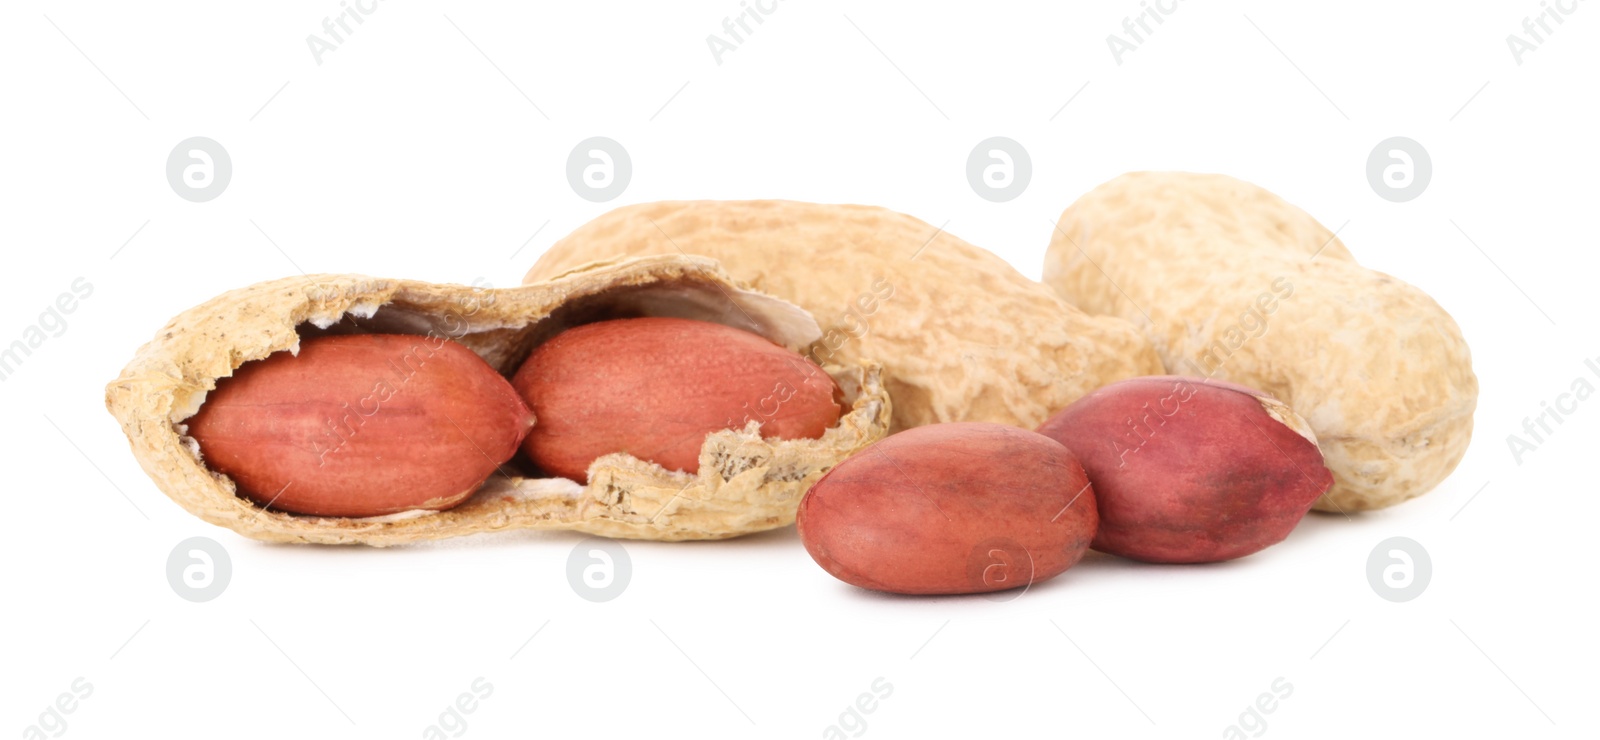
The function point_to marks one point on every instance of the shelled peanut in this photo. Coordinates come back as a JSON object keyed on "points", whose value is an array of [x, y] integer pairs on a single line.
{"points": [[965, 507], [1187, 471]]}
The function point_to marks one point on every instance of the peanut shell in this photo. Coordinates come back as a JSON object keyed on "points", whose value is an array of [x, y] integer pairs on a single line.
{"points": [[745, 483], [1229, 281], [962, 336]]}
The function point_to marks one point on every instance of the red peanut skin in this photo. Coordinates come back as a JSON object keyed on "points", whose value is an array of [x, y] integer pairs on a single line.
{"points": [[966, 507], [361, 425], [655, 387], [1187, 470]]}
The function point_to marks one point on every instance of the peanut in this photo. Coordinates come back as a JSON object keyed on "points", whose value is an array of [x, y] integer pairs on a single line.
{"points": [[1186, 471], [966, 507], [362, 425], [1230, 282], [627, 385], [751, 483]]}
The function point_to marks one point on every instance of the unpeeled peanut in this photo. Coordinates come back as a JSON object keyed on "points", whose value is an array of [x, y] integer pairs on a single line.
{"points": [[655, 387], [361, 425]]}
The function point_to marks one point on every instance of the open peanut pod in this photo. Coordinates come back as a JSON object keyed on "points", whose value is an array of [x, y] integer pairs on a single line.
{"points": [[744, 484]]}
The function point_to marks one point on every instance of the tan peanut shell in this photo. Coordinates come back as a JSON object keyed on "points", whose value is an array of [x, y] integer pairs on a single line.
{"points": [[1231, 282], [745, 483], [962, 336]]}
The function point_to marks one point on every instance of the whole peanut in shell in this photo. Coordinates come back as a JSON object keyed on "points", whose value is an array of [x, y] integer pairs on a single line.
{"points": [[961, 334], [1231, 282], [966, 507], [628, 385], [362, 425], [1186, 471]]}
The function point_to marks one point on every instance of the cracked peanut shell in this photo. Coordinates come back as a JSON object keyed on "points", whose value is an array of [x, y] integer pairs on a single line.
{"points": [[745, 483]]}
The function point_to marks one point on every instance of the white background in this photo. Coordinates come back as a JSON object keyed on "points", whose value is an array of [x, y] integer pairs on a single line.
{"points": [[418, 149]]}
